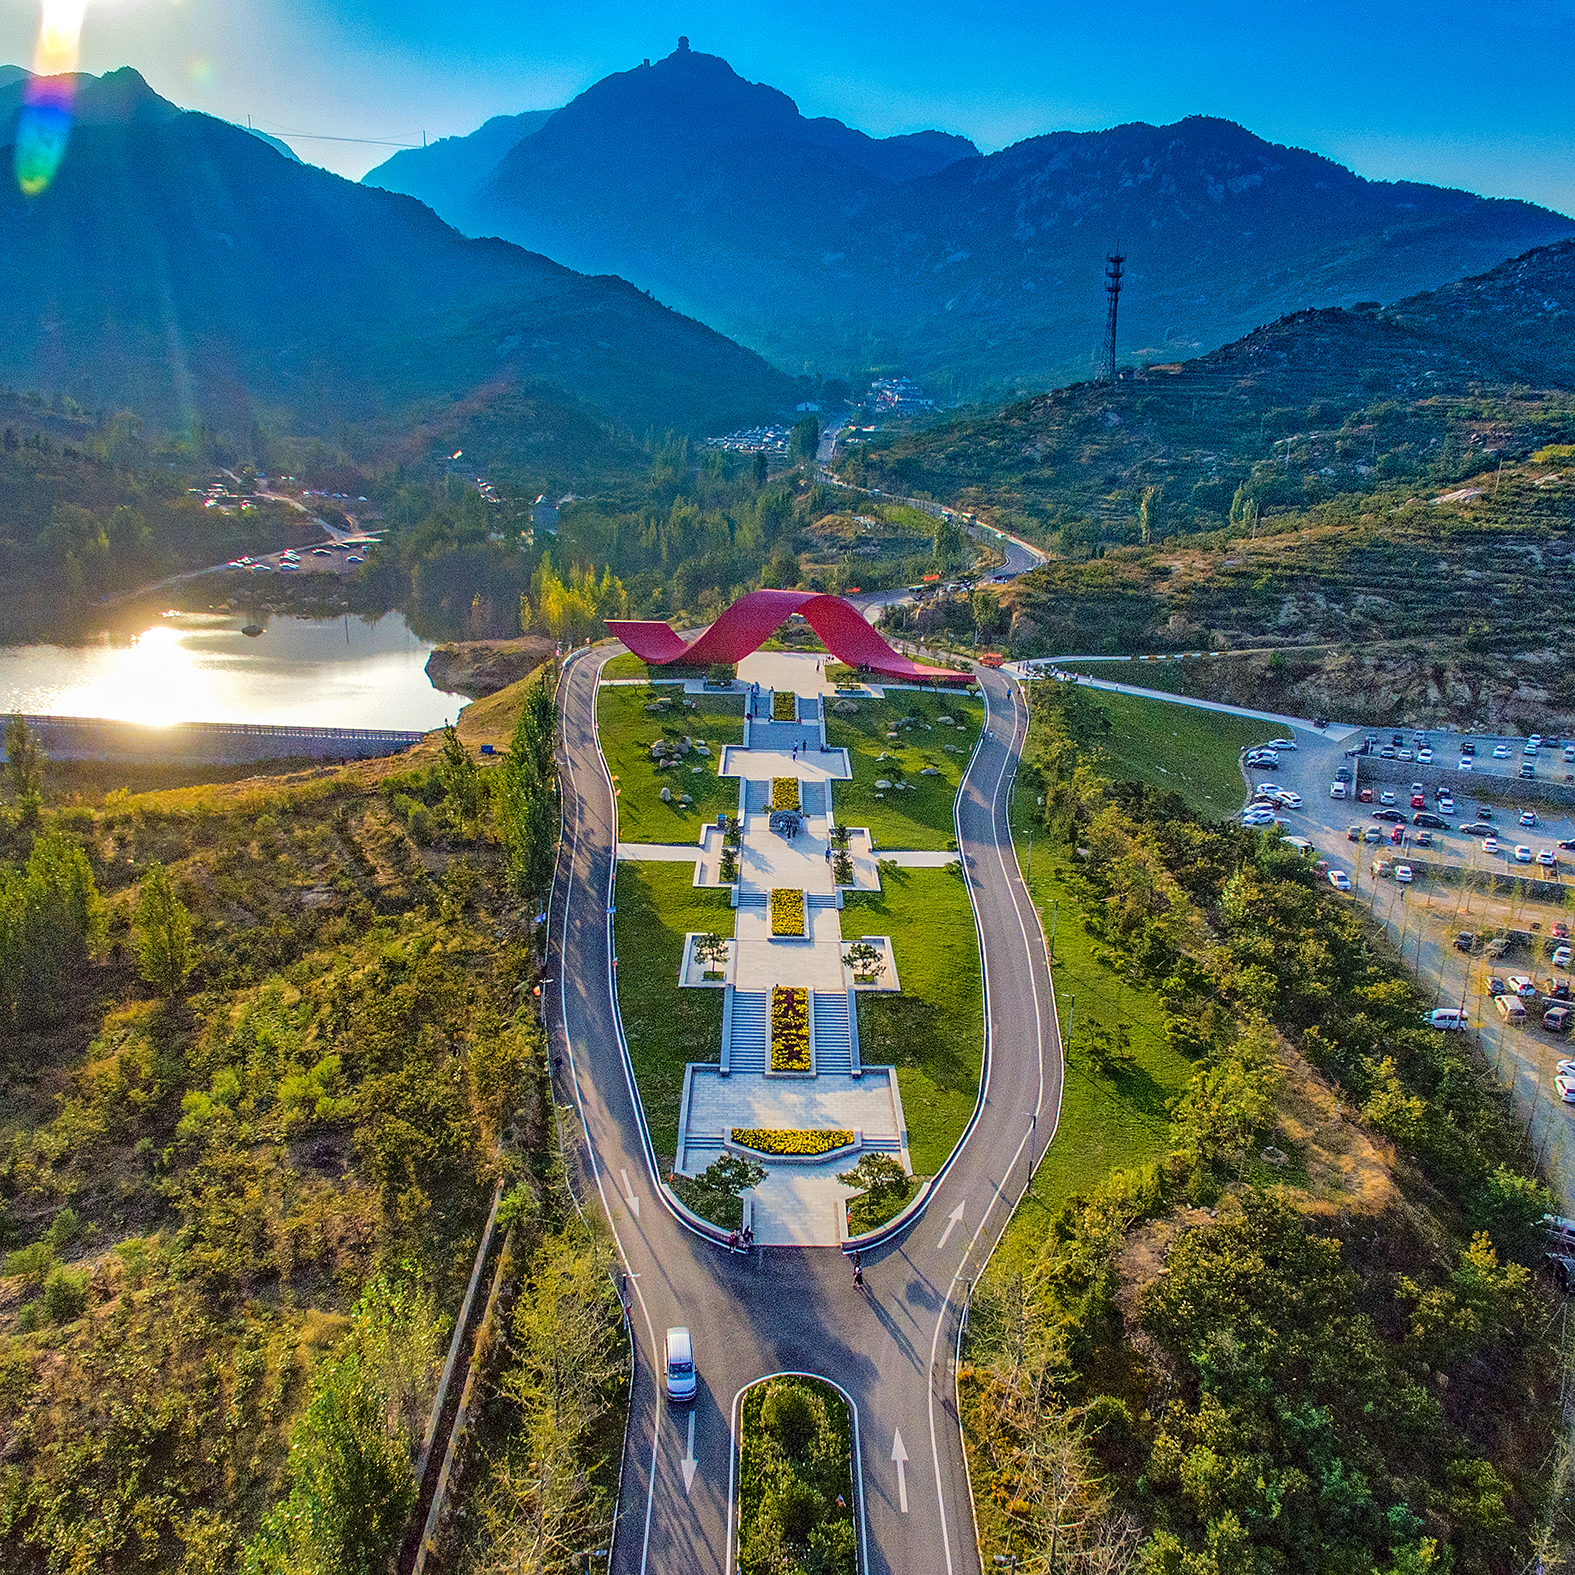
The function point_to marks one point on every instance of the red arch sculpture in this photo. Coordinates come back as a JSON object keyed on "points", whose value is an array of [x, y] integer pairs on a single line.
{"points": [[752, 620]]}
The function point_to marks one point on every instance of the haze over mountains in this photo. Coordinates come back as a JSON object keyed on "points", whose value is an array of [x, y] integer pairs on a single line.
{"points": [[178, 265], [829, 251]]}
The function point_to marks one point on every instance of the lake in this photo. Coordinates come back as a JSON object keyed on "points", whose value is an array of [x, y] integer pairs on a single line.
{"points": [[200, 667]]}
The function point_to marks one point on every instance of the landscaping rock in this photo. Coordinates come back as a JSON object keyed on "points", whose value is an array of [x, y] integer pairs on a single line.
{"points": [[844, 708], [930, 771], [667, 795], [684, 801], [881, 782]]}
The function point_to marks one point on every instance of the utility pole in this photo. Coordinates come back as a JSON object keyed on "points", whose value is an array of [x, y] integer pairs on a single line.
{"points": [[1113, 262]]}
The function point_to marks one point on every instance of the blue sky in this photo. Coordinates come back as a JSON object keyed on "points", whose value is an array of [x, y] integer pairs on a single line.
{"points": [[1475, 95]]}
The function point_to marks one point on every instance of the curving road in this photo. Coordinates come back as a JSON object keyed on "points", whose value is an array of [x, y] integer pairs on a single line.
{"points": [[890, 1348]]}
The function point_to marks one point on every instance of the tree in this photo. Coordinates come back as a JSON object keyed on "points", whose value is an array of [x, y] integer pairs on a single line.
{"points": [[525, 802], [1148, 514], [461, 777], [710, 950], [948, 544], [163, 929], [24, 767], [806, 437], [761, 469], [51, 919], [866, 959], [879, 1177]]}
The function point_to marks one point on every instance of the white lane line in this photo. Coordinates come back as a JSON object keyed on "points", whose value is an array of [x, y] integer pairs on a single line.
{"points": [[628, 1193], [953, 1220], [691, 1465], [899, 1455]]}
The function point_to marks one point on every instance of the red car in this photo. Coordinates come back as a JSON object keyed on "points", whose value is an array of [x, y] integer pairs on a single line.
{"points": [[1364, 796], [1418, 801]]}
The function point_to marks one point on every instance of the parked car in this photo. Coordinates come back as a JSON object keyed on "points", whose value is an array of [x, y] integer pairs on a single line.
{"points": [[1561, 956], [1528, 772], [1477, 828], [1394, 816], [1281, 743], [1423, 839], [1501, 751], [1343, 774], [1290, 799], [1510, 1008], [1424, 757], [1425, 817], [1560, 928], [1490, 844], [1446, 805], [1418, 801], [1372, 834], [1522, 853], [1468, 748], [1496, 986], [1465, 763], [1465, 940], [1556, 1019], [1339, 880], [1355, 833], [1403, 874], [1364, 795], [1407, 754], [1387, 752], [1528, 817], [1448, 1018], [1320, 722], [1337, 790], [1546, 859], [1386, 797], [1521, 985], [1381, 867], [1564, 1083]]}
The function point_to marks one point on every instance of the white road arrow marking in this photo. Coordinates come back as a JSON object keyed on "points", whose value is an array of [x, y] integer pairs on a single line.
{"points": [[900, 1455], [691, 1465], [953, 1220], [628, 1193]]}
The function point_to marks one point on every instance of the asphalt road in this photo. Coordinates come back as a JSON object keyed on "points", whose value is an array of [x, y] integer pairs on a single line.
{"points": [[891, 1347]]}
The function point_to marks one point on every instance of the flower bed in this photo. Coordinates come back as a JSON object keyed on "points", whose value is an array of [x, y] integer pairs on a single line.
{"points": [[784, 793], [789, 1029], [787, 911], [777, 1140], [784, 706]]}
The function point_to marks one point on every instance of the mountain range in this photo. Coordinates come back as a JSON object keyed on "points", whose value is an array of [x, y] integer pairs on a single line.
{"points": [[180, 266], [829, 251]]}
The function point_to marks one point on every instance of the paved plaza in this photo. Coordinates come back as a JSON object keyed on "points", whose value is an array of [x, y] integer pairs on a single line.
{"points": [[798, 1203]]}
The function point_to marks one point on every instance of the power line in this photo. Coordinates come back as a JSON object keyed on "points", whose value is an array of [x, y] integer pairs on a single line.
{"points": [[315, 136]]}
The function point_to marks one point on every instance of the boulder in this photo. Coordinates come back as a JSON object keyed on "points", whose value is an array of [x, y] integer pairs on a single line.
{"points": [[667, 795], [881, 782], [930, 771], [684, 801]]}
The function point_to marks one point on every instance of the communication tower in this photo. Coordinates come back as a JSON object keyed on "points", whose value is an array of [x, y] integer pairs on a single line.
{"points": [[1113, 264]]}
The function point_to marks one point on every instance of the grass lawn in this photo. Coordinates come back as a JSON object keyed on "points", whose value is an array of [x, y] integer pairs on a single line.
{"points": [[666, 1026], [627, 733], [1108, 1122], [933, 1032], [922, 817], [1179, 746], [626, 666]]}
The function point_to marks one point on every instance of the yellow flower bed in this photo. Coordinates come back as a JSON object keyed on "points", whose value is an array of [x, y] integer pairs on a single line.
{"points": [[784, 793], [787, 911], [784, 706], [776, 1140], [789, 1029]]}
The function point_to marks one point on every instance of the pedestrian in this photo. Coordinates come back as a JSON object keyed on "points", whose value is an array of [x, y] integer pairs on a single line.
{"points": [[858, 1276], [732, 1241], [749, 1238]]}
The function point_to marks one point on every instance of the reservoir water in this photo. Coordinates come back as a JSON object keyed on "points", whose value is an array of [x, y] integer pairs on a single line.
{"points": [[200, 667]]}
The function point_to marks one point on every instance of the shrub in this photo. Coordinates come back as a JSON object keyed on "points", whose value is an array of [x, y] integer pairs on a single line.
{"points": [[883, 1189], [784, 706], [784, 793], [789, 1029], [781, 1140], [30, 1263], [65, 1294], [787, 911]]}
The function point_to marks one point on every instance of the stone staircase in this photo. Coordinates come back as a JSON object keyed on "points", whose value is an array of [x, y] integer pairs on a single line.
{"points": [[750, 1046], [832, 1036]]}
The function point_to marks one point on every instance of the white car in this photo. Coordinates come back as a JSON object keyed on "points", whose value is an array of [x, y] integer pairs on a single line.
{"points": [[1535, 740], [1501, 751], [1545, 858], [1290, 798], [1281, 743], [1403, 874], [1465, 763], [1522, 854], [1424, 757], [1406, 754], [1561, 957], [1528, 817], [1490, 844], [1337, 790], [681, 1381], [1386, 797], [1522, 985], [1339, 880], [1446, 805], [1565, 1084]]}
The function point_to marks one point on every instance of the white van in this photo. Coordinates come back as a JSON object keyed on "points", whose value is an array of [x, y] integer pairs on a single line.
{"points": [[681, 1380], [1510, 1008], [1448, 1017]]}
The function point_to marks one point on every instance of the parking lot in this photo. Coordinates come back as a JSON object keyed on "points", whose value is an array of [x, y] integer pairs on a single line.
{"points": [[1457, 887]]}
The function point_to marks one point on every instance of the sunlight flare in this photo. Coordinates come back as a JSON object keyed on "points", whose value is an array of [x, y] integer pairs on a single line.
{"points": [[44, 131]]}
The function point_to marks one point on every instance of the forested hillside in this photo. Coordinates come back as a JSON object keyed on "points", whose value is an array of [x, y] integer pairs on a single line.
{"points": [[1305, 1334], [264, 1061]]}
